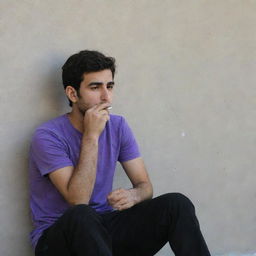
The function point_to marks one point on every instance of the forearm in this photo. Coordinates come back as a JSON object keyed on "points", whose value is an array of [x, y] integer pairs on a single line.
{"points": [[82, 181], [141, 192]]}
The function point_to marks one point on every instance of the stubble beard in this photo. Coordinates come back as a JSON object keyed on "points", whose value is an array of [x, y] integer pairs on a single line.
{"points": [[82, 108], [82, 111]]}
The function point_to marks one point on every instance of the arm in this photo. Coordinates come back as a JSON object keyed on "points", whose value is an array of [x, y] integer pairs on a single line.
{"points": [[142, 188], [76, 183]]}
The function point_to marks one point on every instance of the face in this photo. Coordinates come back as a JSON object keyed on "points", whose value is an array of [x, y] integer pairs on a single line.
{"points": [[97, 87]]}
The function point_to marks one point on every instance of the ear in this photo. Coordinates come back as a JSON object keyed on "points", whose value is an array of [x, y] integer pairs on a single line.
{"points": [[71, 93]]}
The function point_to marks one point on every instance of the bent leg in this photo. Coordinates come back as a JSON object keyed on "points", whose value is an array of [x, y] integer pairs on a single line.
{"points": [[79, 231], [145, 228]]}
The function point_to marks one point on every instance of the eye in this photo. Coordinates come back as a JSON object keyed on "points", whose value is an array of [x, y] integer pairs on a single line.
{"points": [[110, 87], [94, 88]]}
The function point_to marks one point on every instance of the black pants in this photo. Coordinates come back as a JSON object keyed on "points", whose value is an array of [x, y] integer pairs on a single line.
{"points": [[141, 230]]}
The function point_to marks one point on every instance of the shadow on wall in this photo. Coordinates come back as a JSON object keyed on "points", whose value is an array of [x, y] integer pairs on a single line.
{"points": [[52, 94], [47, 102]]}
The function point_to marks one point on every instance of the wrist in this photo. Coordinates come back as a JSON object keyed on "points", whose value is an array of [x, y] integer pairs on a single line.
{"points": [[91, 138], [134, 195]]}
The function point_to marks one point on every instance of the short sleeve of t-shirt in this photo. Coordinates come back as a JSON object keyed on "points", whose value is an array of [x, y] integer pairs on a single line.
{"points": [[128, 148], [49, 152]]}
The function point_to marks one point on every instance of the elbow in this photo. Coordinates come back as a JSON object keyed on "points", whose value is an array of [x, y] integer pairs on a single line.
{"points": [[77, 202], [74, 200], [75, 197], [149, 189]]}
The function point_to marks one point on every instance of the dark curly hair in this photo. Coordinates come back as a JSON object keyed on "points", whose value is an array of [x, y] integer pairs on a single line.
{"points": [[84, 62]]}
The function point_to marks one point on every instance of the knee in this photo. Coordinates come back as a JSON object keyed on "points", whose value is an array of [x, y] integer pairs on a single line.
{"points": [[179, 201], [82, 214]]}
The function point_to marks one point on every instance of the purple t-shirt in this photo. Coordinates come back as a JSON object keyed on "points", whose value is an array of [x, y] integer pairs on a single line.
{"points": [[56, 144]]}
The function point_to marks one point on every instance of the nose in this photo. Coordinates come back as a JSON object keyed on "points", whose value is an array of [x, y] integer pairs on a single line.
{"points": [[105, 95]]}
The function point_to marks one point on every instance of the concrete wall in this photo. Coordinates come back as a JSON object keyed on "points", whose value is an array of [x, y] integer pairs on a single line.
{"points": [[185, 82]]}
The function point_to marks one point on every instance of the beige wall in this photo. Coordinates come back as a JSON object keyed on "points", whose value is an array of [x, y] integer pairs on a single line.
{"points": [[185, 82]]}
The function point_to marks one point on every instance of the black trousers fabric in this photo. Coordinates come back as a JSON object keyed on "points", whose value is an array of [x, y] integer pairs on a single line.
{"points": [[141, 230]]}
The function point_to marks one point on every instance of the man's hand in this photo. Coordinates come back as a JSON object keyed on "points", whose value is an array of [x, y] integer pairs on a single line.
{"points": [[95, 119], [122, 199]]}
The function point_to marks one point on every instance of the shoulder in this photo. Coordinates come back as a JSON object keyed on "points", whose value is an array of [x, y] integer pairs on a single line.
{"points": [[54, 123], [117, 122], [50, 128], [116, 119], [120, 125]]}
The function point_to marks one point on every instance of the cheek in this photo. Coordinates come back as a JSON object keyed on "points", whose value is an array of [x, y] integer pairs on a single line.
{"points": [[92, 100], [89, 97]]}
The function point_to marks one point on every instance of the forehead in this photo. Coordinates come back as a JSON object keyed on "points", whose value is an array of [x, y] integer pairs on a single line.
{"points": [[103, 76]]}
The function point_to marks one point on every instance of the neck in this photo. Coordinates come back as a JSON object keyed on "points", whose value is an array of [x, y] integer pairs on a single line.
{"points": [[76, 118]]}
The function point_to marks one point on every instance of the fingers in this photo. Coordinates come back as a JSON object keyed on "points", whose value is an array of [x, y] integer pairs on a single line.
{"points": [[102, 106], [120, 203], [120, 199], [124, 206], [116, 194], [95, 119], [100, 110]]}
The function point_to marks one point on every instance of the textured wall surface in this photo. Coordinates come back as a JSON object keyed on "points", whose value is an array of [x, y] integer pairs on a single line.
{"points": [[185, 82]]}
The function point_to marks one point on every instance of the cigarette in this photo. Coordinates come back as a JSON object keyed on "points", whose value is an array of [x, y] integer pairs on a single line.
{"points": [[108, 108]]}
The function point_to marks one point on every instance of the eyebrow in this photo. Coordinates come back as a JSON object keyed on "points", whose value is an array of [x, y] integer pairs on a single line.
{"points": [[100, 83]]}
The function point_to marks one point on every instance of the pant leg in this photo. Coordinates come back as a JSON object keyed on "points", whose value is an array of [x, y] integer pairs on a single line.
{"points": [[78, 232], [145, 228]]}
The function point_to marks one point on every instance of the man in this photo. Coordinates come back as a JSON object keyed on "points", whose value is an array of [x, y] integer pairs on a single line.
{"points": [[72, 164]]}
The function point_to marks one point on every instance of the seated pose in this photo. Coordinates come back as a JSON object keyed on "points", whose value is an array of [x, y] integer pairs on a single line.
{"points": [[71, 167]]}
